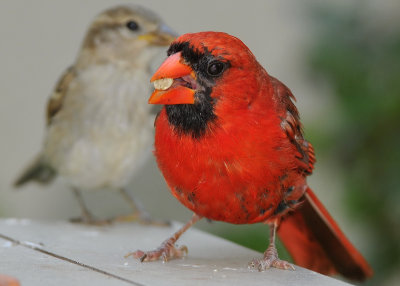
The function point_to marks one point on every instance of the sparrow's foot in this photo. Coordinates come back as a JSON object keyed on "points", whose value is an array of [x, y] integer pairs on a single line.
{"points": [[142, 218], [270, 259], [86, 217], [89, 219], [166, 251], [138, 214]]}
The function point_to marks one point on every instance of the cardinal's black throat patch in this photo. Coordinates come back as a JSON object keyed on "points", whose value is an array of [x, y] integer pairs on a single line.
{"points": [[193, 119]]}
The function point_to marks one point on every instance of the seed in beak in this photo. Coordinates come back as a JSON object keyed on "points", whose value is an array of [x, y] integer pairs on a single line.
{"points": [[163, 84]]}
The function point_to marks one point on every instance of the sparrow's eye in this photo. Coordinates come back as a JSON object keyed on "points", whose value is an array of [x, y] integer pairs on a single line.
{"points": [[132, 25], [215, 68]]}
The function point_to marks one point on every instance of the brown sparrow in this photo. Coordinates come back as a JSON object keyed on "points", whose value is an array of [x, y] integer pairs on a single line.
{"points": [[99, 125]]}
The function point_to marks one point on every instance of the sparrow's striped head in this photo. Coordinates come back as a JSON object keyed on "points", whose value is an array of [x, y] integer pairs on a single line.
{"points": [[124, 32]]}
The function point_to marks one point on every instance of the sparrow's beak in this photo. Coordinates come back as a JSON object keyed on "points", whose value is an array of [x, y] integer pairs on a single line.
{"points": [[174, 82], [162, 37]]}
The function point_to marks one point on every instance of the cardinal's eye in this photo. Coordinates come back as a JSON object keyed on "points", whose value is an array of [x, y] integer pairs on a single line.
{"points": [[132, 25], [215, 68]]}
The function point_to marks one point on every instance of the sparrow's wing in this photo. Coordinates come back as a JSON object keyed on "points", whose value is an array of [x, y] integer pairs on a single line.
{"points": [[56, 99], [292, 126], [38, 170]]}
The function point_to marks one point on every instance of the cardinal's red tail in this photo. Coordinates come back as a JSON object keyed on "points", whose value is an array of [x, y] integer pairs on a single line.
{"points": [[316, 242]]}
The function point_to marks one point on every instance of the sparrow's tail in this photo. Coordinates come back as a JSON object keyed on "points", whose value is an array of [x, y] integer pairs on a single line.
{"points": [[316, 242], [37, 171]]}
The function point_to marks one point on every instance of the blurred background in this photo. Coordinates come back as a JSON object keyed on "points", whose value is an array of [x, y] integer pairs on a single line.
{"points": [[340, 59]]}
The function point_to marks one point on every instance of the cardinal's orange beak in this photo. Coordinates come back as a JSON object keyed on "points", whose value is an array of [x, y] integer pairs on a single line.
{"points": [[174, 82]]}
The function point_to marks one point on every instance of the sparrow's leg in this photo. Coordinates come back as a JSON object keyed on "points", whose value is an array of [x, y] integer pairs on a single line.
{"points": [[138, 214], [167, 249], [86, 217], [270, 258]]}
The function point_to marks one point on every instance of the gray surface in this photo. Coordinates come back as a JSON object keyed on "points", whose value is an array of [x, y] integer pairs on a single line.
{"points": [[60, 253]]}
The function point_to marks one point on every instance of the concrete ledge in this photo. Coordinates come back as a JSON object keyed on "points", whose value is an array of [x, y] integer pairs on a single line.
{"points": [[61, 253]]}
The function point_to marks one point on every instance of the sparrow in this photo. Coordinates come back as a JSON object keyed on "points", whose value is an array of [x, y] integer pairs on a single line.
{"points": [[231, 148], [99, 125]]}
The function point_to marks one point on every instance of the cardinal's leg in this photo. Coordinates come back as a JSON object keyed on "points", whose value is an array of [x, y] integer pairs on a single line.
{"points": [[167, 249], [271, 258], [86, 217], [137, 214]]}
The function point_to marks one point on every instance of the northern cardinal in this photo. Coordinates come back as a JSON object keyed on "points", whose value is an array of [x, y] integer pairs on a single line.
{"points": [[231, 148], [99, 125]]}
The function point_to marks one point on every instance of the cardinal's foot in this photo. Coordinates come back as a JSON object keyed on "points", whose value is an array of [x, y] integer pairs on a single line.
{"points": [[166, 251], [270, 260]]}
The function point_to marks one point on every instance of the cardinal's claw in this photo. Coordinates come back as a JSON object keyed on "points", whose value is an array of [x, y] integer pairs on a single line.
{"points": [[270, 260], [166, 251], [264, 264]]}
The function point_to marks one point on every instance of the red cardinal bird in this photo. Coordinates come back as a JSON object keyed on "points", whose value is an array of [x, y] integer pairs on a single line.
{"points": [[230, 146]]}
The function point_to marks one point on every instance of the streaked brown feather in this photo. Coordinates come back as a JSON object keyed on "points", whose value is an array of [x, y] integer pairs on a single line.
{"points": [[55, 102]]}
